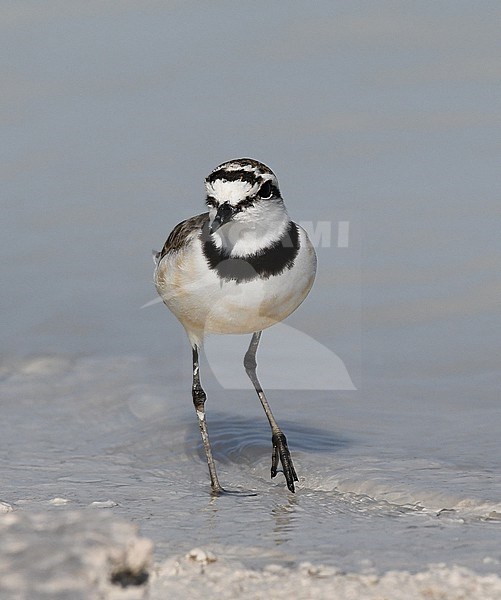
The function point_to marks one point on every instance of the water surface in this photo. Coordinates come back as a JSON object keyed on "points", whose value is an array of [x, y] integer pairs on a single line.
{"points": [[384, 117]]}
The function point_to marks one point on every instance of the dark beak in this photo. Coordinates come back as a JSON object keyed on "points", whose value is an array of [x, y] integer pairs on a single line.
{"points": [[223, 215]]}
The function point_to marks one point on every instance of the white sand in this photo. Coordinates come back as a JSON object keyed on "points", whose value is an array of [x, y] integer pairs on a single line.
{"points": [[89, 554], [71, 554], [186, 578]]}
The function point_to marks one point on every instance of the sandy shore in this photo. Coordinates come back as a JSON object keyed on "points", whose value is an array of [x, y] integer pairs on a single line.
{"points": [[90, 554]]}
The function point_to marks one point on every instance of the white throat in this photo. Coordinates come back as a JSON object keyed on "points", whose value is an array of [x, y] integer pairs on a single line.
{"points": [[243, 238]]}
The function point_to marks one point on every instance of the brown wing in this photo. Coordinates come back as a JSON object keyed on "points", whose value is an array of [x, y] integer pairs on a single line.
{"points": [[181, 232]]}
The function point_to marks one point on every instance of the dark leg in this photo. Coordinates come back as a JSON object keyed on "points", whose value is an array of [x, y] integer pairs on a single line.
{"points": [[280, 449], [199, 398]]}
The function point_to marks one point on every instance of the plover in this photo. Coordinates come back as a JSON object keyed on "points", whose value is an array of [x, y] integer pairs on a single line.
{"points": [[238, 268]]}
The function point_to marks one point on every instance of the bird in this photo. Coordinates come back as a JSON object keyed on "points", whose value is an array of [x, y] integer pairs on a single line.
{"points": [[238, 268]]}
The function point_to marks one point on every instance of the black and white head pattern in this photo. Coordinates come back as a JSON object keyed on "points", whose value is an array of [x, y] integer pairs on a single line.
{"points": [[250, 233], [242, 183]]}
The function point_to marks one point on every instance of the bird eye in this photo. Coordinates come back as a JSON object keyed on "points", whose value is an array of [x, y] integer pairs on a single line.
{"points": [[265, 190], [210, 201]]}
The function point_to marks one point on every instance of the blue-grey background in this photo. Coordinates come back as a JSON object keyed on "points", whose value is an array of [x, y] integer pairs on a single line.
{"points": [[386, 115]]}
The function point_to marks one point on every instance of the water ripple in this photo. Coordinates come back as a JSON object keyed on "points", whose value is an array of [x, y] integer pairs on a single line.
{"points": [[237, 439]]}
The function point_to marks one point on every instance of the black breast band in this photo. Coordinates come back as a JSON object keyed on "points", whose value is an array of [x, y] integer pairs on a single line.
{"points": [[272, 260]]}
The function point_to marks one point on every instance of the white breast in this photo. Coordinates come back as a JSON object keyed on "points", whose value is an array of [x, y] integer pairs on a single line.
{"points": [[204, 303]]}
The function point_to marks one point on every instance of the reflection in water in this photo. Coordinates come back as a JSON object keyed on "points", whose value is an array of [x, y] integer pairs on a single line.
{"points": [[236, 439], [284, 515]]}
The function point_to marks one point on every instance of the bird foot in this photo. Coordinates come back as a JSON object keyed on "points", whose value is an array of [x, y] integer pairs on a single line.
{"points": [[280, 450]]}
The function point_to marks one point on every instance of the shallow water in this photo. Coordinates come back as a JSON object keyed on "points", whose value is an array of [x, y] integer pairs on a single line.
{"points": [[372, 491], [386, 381]]}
